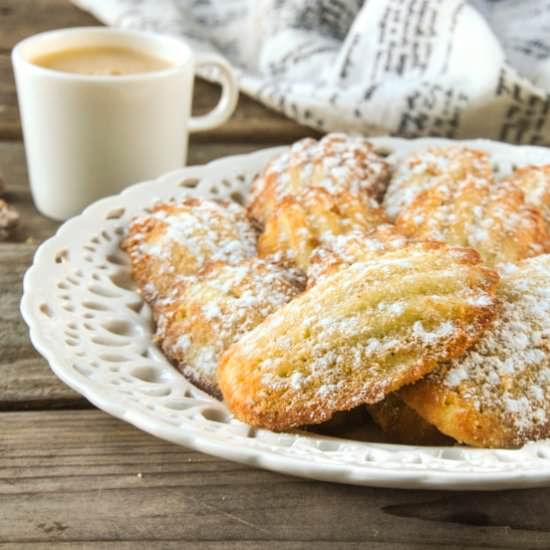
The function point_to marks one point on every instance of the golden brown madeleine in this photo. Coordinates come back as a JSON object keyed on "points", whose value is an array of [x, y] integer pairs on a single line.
{"points": [[337, 163], [404, 425], [178, 239], [498, 394], [523, 231], [300, 224], [534, 181], [492, 218], [423, 169], [359, 335], [212, 310], [344, 250]]}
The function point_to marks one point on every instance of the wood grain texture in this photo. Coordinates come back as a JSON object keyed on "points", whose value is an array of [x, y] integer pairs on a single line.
{"points": [[25, 379], [84, 476], [21, 18], [218, 545]]}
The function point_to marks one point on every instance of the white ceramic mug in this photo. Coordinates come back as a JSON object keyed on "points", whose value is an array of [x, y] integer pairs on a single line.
{"points": [[90, 136]]}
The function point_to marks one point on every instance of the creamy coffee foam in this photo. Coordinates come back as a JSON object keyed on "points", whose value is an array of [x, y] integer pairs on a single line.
{"points": [[101, 61]]}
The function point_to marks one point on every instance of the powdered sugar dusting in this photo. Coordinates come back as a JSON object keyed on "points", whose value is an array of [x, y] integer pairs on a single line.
{"points": [[177, 240], [353, 326], [534, 181], [212, 311], [475, 211], [300, 224], [335, 163], [507, 373], [422, 170], [428, 337], [344, 250]]}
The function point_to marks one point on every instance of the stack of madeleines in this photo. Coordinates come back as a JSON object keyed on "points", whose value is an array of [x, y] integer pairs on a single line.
{"points": [[419, 290]]}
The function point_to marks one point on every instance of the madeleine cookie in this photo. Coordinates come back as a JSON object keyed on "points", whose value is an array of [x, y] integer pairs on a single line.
{"points": [[178, 239], [344, 250], [498, 394], [491, 218], [336, 163], [213, 310], [359, 335], [423, 169], [300, 224], [534, 181]]}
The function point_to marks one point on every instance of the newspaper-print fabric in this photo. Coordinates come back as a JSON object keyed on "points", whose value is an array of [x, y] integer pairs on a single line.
{"points": [[448, 68]]}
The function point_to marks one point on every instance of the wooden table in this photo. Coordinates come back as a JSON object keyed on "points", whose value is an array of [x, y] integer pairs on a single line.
{"points": [[73, 477]]}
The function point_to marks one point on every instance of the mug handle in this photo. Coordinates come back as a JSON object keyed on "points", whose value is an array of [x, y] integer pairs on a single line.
{"points": [[228, 100]]}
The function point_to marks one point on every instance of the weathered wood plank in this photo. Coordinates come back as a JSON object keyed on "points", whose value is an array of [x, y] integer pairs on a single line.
{"points": [[225, 545], [73, 478], [29, 384], [21, 18], [25, 379]]}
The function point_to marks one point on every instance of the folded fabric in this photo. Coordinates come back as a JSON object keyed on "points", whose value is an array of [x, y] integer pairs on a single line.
{"points": [[448, 68]]}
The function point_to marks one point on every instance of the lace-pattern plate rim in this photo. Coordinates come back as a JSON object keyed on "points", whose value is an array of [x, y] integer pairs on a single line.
{"points": [[87, 320]]}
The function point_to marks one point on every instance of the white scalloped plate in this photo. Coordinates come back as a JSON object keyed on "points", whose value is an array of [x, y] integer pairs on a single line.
{"points": [[87, 320]]}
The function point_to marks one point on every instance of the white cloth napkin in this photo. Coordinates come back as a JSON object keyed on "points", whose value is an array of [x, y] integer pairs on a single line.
{"points": [[450, 68]]}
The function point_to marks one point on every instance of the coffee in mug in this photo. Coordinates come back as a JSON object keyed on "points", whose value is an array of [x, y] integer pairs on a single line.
{"points": [[104, 108], [105, 60]]}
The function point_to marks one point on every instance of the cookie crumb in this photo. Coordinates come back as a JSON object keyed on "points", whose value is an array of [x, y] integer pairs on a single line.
{"points": [[9, 217]]}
